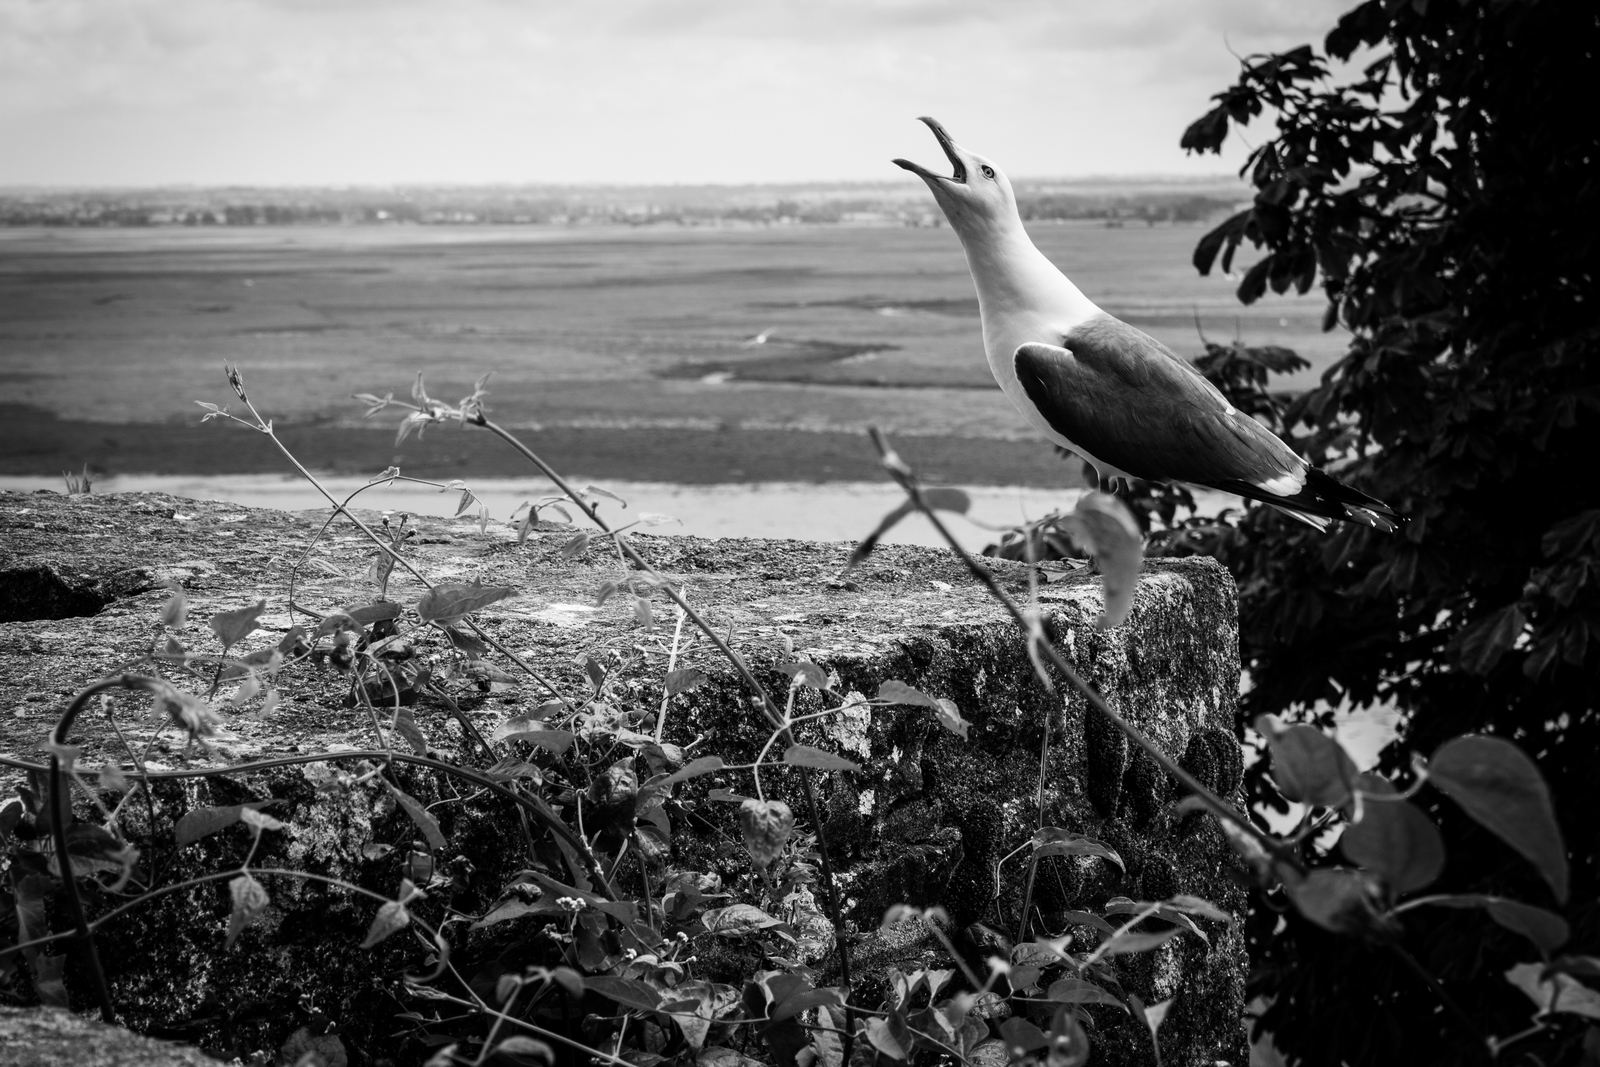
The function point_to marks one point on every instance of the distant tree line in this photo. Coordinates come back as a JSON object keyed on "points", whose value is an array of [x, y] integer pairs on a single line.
{"points": [[605, 207]]}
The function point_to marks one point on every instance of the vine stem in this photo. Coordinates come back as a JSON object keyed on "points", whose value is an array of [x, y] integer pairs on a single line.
{"points": [[672, 663], [159, 687], [907, 480], [769, 707], [61, 815], [264, 426]]}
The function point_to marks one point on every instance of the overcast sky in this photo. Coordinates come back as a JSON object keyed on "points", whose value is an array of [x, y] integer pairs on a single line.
{"points": [[141, 92]]}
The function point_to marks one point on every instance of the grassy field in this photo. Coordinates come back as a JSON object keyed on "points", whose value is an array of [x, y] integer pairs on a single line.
{"points": [[626, 345]]}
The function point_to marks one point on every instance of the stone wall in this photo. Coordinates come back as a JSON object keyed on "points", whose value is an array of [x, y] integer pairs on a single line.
{"points": [[926, 821]]}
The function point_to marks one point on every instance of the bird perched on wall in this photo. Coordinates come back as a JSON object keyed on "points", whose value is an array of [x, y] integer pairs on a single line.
{"points": [[1114, 395]]}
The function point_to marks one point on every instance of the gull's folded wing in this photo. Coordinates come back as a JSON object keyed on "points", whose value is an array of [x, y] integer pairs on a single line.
{"points": [[1129, 401]]}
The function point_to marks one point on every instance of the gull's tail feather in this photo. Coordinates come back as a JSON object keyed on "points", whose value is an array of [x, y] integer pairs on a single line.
{"points": [[1324, 497]]}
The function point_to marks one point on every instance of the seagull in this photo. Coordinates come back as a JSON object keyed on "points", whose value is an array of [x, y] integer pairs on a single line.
{"points": [[1114, 395]]}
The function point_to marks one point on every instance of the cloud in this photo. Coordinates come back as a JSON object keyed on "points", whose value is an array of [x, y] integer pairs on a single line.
{"points": [[625, 90]]}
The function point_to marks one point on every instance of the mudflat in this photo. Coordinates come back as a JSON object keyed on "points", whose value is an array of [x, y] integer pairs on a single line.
{"points": [[690, 354]]}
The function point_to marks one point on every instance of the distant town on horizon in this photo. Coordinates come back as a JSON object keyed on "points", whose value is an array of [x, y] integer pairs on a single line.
{"points": [[1115, 200]]}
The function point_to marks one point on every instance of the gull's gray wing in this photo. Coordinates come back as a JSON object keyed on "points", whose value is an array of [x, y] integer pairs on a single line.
{"points": [[1130, 402]]}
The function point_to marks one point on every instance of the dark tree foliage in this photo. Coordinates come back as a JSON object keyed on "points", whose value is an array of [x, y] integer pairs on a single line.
{"points": [[1448, 199]]}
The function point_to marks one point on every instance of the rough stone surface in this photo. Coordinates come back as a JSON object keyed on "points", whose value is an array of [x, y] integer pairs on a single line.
{"points": [[50, 1037], [931, 817]]}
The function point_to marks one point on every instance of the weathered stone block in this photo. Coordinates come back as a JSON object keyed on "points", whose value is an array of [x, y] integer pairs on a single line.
{"points": [[930, 819]]}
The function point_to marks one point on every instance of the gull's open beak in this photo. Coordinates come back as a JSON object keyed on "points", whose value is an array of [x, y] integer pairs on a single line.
{"points": [[949, 146]]}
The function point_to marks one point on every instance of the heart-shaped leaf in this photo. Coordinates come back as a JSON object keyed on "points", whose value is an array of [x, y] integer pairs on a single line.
{"points": [[392, 915], [806, 673], [249, 900], [203, 822], [1308, 765], [766, 826], [1497, 784], [1397, 842], [683, 680], [419, 815], [230, 626], [449, 602], [1107, 529], [1547, 930]]}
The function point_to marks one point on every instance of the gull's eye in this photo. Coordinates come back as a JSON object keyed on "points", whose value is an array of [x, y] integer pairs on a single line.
{"points": [[988, 172]]}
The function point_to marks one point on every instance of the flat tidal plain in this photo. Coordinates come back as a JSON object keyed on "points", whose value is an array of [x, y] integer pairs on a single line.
{"points": [[625, 352]]}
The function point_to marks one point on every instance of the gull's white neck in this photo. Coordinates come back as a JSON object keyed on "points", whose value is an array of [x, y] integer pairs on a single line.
{"points": [[1019, 290]]}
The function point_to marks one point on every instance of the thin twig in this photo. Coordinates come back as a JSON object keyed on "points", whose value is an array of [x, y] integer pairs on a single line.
{"points": [[672, 662], [768, 705]]}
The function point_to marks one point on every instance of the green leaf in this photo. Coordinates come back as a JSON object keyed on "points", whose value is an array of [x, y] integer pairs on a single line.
{"points": [[392, 915], [1500, 788], [1021, 1037], [1152, 1016], [597, 491], [805, 673], [1089, 919], [1107, 529], [949, 717], [736, 920], [693, 769], [1335, 898], [49, 980], [628, 992], [449, 602], [1128, 943], [1054, 841], [1557, 994], [1163, 912], [406, 726], [1308, 765], [569, 980], [897, 692], [381, 611], [1547, 930], [230, 626], [869, 542], [523, 1045], [1069, 1045], [1397, 842], [516, 908], [1481, 645], [258, 820], [683, 680], [535, 733], [1077, 991], [806, 756], [804, 1001], [576, 546], [249, 900], [203, 822], [883, 1037], [175, 609], [419, 815], [1197, 906]]}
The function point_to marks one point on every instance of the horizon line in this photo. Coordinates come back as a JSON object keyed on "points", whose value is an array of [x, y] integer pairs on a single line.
{"points": [[1165, 178]]}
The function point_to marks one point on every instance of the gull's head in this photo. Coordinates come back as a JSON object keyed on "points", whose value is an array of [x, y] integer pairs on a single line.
{"points": [[976, 196]]}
